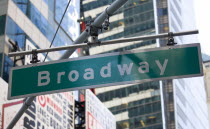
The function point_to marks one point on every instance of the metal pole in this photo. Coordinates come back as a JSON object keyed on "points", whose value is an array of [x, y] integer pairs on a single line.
{"points": [[98, 22], [82, 45]]}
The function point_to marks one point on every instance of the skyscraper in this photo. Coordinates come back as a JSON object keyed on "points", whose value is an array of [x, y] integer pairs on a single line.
{"points": [[31, 24], [190, 108], [133, 105]]}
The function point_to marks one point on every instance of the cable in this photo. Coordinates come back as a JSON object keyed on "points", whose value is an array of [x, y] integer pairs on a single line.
{"points": [[57, 29]]}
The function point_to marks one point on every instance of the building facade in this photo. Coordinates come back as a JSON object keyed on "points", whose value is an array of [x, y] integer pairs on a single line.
{"points": [[175, 98], [27, 25], [189, 100], [207, 83], [134, 106], [32, 24]]}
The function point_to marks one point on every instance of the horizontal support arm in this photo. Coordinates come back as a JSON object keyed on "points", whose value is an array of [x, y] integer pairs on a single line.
{"points": [[123, 40]]}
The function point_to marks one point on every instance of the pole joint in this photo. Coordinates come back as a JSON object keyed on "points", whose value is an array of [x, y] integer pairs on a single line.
{"points": [[107, 12], [106, 24], [92, 30]]}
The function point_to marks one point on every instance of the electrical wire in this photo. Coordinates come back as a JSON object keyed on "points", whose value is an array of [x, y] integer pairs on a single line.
{"points": [[57, 29]]}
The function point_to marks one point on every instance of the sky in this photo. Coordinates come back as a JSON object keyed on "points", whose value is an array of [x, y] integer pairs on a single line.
{"points": [[202, 14]]}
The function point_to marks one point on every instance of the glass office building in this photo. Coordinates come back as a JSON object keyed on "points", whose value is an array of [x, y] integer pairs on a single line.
{"points": [[190, 105], [32, 25], [134, 19], [134, 106]]}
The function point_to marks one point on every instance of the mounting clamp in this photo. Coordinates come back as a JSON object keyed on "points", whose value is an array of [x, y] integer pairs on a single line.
{"points": [[106, 22], [34, 56], [171, 39], [93, 32]]}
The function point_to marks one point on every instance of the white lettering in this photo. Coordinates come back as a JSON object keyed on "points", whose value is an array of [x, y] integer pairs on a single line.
{"points": [[144, 67], [162, 68], [76, 75], [125, 68], [106, 68], [44, 75], [59, 76], [89, 74]]}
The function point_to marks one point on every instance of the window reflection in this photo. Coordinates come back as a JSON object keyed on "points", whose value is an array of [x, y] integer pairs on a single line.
{"points": [[152, 121], [14, 32], [46, 26], [2, 25], [142, 113], [1, 61], [69, 23], [124, 92], [8, 63], [22, 4]]}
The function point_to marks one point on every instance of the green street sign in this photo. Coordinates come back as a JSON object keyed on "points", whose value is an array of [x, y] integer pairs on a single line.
{"points": [[135, 66]]}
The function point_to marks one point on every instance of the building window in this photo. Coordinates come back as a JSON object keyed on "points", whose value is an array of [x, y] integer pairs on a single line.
{"points": [[124, 92], [15, 33], [22, 4], [69, 23], [152, 121], [8, 63], [1, 61], [2, 25]]}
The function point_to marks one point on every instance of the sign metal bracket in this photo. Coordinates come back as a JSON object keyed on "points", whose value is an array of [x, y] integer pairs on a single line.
{"points": [[115, 41], [34, 56], [171, 39]]}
